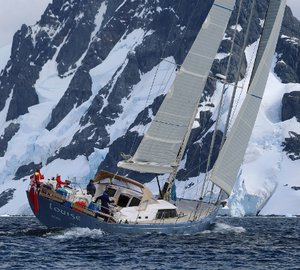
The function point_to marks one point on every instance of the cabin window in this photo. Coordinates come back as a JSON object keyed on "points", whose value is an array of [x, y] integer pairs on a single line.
{"points": [[111, 192], [166, 213], [123, 200], [135, 202]]}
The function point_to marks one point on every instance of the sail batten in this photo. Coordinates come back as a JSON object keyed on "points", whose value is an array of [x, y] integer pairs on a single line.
{"points": [[227, 166], [163, 142]]}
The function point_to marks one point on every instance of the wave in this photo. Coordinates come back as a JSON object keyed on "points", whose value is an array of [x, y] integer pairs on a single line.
{"points": [[224, 228], [74, 233]]}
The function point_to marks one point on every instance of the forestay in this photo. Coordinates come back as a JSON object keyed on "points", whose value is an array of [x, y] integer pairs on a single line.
{"points": [[227, 166], [162, 145]]}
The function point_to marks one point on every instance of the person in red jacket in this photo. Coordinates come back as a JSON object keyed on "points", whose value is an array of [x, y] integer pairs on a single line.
{"points": [[37, 177], [60, 182]]}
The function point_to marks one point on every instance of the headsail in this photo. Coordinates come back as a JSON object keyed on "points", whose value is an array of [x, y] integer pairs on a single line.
{"points": [[227, 166], [162, 145]]}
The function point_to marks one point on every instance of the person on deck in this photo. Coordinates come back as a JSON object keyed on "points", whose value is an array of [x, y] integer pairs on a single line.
{"points": [[38, 177], [105, 200], [60, 182], [90, 188]]}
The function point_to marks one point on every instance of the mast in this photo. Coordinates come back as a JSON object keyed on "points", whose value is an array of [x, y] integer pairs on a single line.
{"points": [[164, 142], [227, 166]]}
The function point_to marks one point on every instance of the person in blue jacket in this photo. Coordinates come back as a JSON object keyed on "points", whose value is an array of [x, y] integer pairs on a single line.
{"points": [[105, 200], [90, 188]]}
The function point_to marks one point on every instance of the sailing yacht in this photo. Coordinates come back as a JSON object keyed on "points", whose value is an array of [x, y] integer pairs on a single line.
{"points": [[133, 208]]}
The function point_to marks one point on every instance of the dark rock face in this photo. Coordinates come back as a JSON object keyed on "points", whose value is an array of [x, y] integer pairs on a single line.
{"points": [[33, 47], [19, 76], [292, 146], [287, 73], [288, 70], [78, 92], [226, 44], [290, 106], [128, 144], [6, 196], [24, 170], [197, 156], [81, 25], [287, 67], [9, 132]]}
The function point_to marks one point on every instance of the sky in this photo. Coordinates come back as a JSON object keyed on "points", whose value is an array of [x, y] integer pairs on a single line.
{"points": [[13, 13], [295, 6]]}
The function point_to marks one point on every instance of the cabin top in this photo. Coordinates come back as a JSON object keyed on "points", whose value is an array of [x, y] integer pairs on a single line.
{"points": [[105, 177]]}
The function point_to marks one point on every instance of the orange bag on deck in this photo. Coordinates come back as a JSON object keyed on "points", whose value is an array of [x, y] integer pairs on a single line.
{"points": [[80, 204]]}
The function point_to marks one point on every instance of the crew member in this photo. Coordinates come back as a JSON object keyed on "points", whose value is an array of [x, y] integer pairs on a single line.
{"points": [[104, 198], [90, 188], [60, 182]]}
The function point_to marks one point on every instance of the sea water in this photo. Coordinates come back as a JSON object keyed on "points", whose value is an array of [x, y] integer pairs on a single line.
{"points": [[231, 243]]}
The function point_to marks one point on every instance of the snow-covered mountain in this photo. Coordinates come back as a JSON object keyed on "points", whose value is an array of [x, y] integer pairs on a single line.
{"points": [[82, 84]]}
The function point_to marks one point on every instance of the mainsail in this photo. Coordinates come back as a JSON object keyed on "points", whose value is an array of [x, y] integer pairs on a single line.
{"points": [[164, 142], [226, 168]]}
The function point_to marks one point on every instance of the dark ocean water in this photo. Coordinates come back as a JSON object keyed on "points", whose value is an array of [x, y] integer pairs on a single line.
{"points": [[232, 243]]}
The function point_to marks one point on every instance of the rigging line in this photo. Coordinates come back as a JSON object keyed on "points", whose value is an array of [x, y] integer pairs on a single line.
{"points": [[234, 109], [130, 50], [251, 63], [188, 24], [248, 70], [222, 97], [238, 74], [171, 179], [164, 49], [250, 66], [171, 28], [200, 163], [199, 210], [200, 143], [193, 168], [166, 80], [177, 47], [257, 59], [223, 81], [153, 81]]}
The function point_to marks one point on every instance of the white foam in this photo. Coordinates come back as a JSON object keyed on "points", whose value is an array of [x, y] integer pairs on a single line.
{"points": [[76, 233], [226, 228]]}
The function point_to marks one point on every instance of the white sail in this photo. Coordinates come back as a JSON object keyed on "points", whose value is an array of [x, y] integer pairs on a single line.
{"points": [[159, 151], [227, 166]]}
